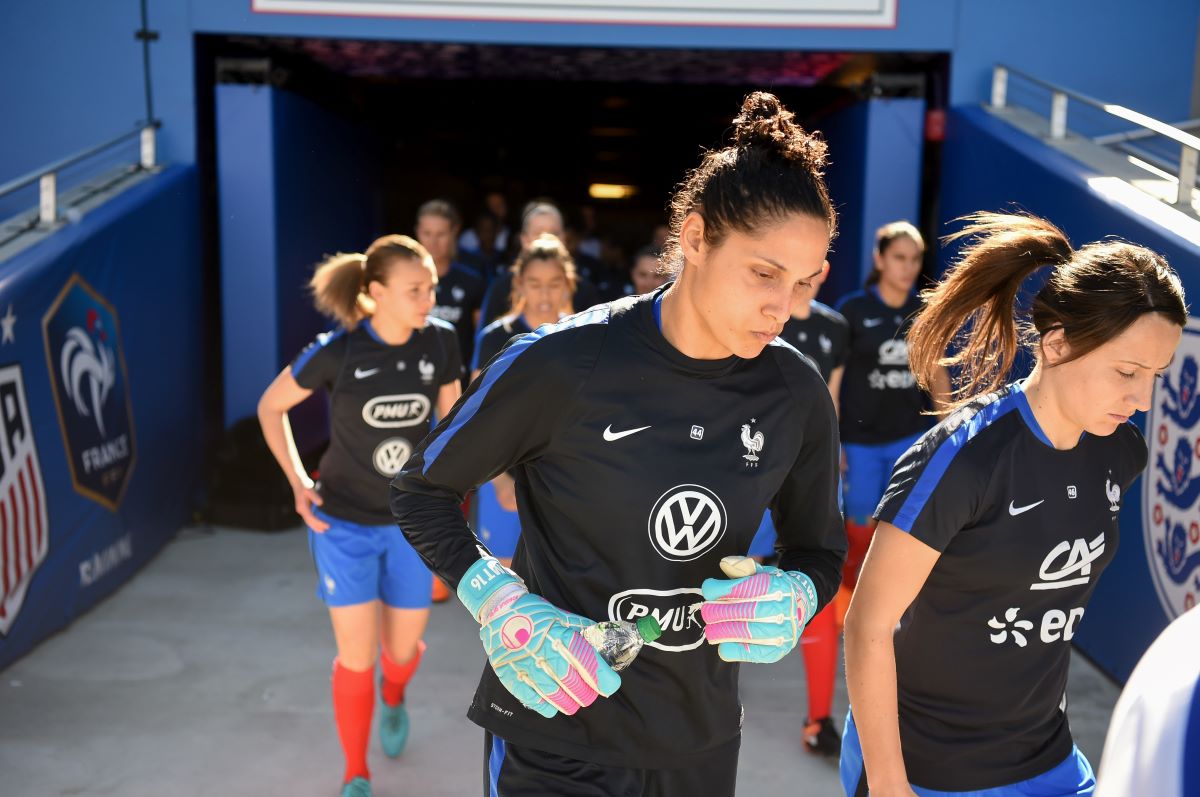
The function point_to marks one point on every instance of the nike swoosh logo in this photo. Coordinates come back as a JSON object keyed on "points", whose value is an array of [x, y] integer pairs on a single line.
{"points": [[872, 322], [1015, 510], [610, 435], [361, 374]]}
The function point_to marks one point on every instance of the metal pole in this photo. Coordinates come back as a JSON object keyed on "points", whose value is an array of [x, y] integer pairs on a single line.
{"points": [[1187, 176], [999, 87], [146, 36], [1058, 116], [48, 199], [148, 148]]}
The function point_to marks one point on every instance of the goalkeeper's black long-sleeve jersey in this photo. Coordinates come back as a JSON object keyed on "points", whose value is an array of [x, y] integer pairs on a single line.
{"points": [[637, 468]]}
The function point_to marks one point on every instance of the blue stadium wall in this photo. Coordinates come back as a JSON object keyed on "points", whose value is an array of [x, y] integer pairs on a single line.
{"points": [[990, 165], [69, 54], [94, 483]]}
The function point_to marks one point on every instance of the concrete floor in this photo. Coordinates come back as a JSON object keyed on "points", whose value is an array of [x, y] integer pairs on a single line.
{"points": [[208, 674]]}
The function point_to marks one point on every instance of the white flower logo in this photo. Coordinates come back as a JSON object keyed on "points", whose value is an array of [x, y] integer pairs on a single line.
{"points": [[1002, 630]]}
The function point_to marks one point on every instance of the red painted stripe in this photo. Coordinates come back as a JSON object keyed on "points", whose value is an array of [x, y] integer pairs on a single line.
{"points": [[28, 526], [5, 556], [37, 504], [16, 536]]}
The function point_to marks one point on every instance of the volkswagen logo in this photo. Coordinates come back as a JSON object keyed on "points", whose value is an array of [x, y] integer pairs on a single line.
{"points": [[686, 522], [390, 456]]}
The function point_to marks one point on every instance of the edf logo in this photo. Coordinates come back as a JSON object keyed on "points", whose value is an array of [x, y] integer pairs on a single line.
{"points": [[91, 391]]}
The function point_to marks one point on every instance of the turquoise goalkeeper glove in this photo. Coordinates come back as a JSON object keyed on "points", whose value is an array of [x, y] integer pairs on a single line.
{"points": [[534, 647], [759, 617]]}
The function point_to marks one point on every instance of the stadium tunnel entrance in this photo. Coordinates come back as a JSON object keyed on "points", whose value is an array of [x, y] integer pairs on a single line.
{"points": [[312, 146]]}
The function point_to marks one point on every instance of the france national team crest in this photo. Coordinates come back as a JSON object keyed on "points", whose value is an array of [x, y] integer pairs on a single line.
{"points": [[1171, 488], [91, 391], [24, 526]]}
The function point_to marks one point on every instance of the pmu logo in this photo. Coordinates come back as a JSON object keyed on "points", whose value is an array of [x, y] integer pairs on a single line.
{"points": [[676, 610], [91, 391], [24, 527], [394, 412], [1171, 487], [686, 522]]}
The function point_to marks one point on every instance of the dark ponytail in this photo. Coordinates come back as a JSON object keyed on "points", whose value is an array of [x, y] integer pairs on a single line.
{"points": [[970, 319], [773, 169]]}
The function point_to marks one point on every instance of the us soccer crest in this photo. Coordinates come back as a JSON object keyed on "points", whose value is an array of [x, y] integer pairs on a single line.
{"points": [[91, 391], [1171, 486], [24, 526]]}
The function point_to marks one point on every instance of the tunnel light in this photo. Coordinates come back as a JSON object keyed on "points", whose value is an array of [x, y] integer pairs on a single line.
{"points": [[611, 191]]}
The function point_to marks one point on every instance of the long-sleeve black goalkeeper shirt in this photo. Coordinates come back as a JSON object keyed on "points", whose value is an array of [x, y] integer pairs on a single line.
{"points": [[637, 468]]}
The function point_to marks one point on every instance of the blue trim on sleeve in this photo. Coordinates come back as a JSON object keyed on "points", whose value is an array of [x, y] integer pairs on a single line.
{"points": [[502, 363], [1189, 778], [939, 463], [323, 340]]}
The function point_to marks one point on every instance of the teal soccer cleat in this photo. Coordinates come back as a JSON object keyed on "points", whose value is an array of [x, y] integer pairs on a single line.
{"points": [[393, 729], [358, 787]]}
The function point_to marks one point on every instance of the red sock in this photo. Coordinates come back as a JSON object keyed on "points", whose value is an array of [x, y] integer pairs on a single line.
{"points": [[858, 535], [819, 644], [353, 704], [396, 676]]}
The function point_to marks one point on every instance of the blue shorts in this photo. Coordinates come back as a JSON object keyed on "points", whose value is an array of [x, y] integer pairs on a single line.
{"points": [[868, 469], [1072, 777], [498, 528], [358, 564]]}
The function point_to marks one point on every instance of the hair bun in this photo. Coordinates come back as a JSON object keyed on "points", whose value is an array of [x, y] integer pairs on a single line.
{"points": [[765, 123]]}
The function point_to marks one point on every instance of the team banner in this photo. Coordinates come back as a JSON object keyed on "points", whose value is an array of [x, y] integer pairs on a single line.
{"points": [[1172, 482], [767, 13], [102, 404], [87, 368]]}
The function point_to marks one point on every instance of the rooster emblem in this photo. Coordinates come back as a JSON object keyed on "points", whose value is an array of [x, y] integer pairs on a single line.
{"points": [[83, 361], [753, 443], [426, 368], [1113, 491]]}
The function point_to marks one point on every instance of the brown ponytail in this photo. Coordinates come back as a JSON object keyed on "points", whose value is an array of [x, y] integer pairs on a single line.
{"points": [[970, 321], [339, 284]]}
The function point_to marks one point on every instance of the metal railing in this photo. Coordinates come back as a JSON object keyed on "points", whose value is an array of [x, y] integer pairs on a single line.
{"points": [[1189, 145], [47, 176]]}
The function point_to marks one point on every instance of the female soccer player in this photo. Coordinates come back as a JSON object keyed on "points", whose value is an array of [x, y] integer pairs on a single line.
{"points": [[883, 411], [543, 283], [998, 522], [647, 436], [387, 369]]}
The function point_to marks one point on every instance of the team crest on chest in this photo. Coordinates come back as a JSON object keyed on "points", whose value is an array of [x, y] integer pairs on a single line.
{"points": [[753, 441], [1171, 485], [426, 368]]}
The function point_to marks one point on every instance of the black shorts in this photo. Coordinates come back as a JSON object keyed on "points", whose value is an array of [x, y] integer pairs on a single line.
{"points": [[510, 771]]}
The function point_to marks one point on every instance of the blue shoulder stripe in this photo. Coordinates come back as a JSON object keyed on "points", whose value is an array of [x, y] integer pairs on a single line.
{"points": [[597, 315], [323, 340], [939, 463]]}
